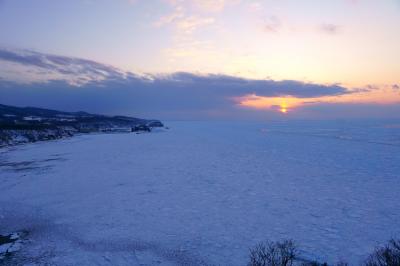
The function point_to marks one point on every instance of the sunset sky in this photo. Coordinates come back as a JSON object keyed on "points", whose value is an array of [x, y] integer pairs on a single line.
{"points": [[203, 59]]}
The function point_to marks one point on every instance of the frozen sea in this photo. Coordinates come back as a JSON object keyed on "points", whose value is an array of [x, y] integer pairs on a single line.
{"points": [[203, 193]]}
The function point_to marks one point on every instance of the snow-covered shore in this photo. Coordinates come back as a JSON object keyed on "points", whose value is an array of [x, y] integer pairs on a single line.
{"points": [[203, 193], [15, 137]]}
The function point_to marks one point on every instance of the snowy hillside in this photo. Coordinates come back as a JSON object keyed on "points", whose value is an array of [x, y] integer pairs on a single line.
{"points": [[203, 193], [22, 125]]}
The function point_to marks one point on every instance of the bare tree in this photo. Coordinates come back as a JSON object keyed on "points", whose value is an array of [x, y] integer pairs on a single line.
{"points": [[388, 255], [273, 254]]}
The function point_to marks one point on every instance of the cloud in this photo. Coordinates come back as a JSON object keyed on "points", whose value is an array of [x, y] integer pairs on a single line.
{"points": [[171, 18], [329, 28], [255, 7], [396, 87], [189, 15], [177, 96], [211, 5], [272, 24], [87, 85], [183, 22], [225, 85], [190, 24], [93, 72], [73, 70]]}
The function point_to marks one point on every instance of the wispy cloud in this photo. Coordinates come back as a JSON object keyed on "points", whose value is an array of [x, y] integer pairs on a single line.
{"points": [[330, 28], [191, 23], [211, 5], [175, 16], [182, 21], [74, 70], [255, 7], [272, 24]]}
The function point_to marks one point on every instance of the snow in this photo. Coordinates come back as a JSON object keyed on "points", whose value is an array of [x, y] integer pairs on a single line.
{"points": [[32, 118], [13, 244], [203, 193]]}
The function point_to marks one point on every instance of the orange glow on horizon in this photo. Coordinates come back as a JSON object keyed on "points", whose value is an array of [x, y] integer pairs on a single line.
{"points": [[289, 103], [280, 104]]}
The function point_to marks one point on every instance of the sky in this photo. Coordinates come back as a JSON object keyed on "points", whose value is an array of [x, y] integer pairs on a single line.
{"points": [[203, 59]]}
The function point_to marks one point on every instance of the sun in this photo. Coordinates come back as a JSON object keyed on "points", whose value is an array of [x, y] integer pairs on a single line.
{"points": [[283, 108]]}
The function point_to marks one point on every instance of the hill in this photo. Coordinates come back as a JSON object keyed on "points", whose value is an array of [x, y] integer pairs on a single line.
{"points": [[30, 124]]}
